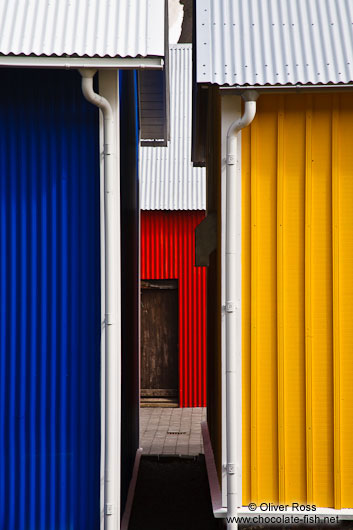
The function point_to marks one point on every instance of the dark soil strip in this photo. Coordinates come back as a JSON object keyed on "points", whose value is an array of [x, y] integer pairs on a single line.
{"points": [[172, 493]]}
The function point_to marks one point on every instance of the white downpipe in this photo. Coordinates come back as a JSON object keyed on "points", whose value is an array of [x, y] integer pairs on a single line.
{"points": [[233, 309], [112, 341]]}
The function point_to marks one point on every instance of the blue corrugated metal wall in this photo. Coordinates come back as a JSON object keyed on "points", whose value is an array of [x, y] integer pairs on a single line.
{"points": [[50, 303]]}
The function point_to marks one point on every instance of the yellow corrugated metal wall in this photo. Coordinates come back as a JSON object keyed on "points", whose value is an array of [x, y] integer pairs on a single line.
{"points": [[297, 171]]}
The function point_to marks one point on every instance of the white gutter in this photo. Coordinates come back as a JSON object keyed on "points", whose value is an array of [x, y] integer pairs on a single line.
{"points": [[110, 63], [320, 87], [233, 310], [112, 320]]}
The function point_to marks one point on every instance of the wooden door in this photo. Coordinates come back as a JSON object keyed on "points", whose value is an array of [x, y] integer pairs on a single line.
{"points": [[159, 342]]}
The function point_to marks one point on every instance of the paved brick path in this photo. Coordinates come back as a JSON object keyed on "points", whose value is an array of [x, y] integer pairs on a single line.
{"points": [[172, 431]]}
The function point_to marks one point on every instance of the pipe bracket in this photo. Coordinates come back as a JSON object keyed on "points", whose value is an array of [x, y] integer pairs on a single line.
{"points": [[230, 307], [108, 149], [231, 159], [109, 319], [231, 469]]}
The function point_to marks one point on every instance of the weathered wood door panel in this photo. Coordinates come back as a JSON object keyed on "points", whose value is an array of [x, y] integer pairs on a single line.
{"points": [[159, 341]]}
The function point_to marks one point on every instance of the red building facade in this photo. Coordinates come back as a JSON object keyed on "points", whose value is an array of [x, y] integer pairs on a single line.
{"points": [[168, 252]]}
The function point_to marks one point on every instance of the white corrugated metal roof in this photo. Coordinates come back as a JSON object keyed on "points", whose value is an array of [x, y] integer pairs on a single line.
{"points": [[168, 181], [275, 42], [91, 28]]}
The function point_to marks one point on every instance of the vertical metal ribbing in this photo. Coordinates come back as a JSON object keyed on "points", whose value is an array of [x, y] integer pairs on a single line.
{"points": [[171, 256], [49, 445], [280, 303], [308, 303], [290, 147], [319, 299], [314, 160], [343, 157], [336, 302]]}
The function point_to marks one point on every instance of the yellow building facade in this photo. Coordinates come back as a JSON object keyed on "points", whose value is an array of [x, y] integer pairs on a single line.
{"points": [[280, 276], [297, 301]]}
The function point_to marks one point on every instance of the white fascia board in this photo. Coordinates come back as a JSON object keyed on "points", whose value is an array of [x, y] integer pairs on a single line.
{"points": [[230, 111], [112, 63]]}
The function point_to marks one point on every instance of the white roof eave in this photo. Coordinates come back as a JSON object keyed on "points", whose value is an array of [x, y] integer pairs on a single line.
{"points": [[112, 63]]}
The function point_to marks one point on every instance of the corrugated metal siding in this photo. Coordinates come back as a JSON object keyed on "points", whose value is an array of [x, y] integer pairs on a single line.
{"points": [[168, 179], [81, 27], [298, 301], [168, 252], [257, 42], [50, 303]]}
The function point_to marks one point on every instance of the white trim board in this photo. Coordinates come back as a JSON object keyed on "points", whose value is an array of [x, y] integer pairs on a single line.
{"points": [[230, 111], [109, 88], [112, 63]]}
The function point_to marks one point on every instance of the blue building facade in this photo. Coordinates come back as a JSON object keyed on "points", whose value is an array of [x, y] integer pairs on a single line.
{"points": [[50, 315]]}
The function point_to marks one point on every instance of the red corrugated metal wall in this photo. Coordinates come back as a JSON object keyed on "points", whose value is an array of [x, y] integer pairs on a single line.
{"points": [[168, 252]]}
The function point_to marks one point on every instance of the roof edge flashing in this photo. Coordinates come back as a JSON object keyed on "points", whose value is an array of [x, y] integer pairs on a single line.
{"points": [[241, 90], [113, 63]]}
